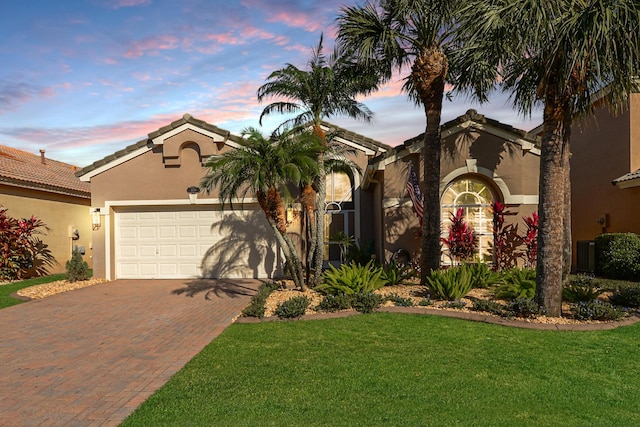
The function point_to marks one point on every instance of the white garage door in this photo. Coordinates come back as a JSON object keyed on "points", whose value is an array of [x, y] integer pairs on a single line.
{"points": [[185, 243]]}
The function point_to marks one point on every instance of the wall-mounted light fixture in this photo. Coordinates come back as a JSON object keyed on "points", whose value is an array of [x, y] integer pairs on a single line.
{"points": [[95, 219], [193, 194]]}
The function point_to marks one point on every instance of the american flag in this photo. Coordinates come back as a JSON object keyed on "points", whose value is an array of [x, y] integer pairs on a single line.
{"points": [[414, 193]]}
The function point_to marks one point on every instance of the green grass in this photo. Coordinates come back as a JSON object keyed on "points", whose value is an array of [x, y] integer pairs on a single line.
{"points": [[403, 370], [6, 290]]}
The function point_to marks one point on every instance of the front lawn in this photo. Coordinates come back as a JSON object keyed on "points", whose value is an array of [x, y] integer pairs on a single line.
{"points": [[6, 290], [403, 370]]}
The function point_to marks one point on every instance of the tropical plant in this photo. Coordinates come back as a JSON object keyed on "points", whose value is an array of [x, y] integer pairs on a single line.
{"points": [[327, 88], [418, 34], [482, 276], [350, 279], [563, 55], [22, 252], [517, 283], [394, 274], [505, 238], [77, 268], [461, 241], [530, 239], [450, 284], [264, 167], [581, 288]]}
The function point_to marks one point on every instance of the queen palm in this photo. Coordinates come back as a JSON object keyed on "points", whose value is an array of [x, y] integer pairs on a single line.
{"points": [[564, 55], [264, 167], [327, 88], [420, 35]]}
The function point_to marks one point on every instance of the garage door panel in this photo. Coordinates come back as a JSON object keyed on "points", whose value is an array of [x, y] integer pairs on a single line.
{"points": [[172, 243]]}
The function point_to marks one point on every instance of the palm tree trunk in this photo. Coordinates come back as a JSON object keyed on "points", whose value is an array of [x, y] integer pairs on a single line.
{"points": [[428, 74], [307, 198], [566, 161], [318, 255], [551, 210]]}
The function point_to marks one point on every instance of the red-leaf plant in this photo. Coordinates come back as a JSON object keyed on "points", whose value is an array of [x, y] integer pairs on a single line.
{"points": [[531, 239], [462, 241], [505, 239]]}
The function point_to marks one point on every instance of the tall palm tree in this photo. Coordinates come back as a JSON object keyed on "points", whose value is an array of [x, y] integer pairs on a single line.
{"points": [[564, 55], [327, 88], [420, 35], [264, 167]]}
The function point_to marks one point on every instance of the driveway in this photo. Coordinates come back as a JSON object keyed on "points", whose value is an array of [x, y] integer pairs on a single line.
{"points": [[89, 357]]}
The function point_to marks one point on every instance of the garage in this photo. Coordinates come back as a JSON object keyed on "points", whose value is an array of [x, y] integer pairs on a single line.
{"points": [[189, 242]]}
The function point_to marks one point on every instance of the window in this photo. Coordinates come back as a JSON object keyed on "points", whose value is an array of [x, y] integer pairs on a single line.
{"points": [[475, 197], [339, 221]]}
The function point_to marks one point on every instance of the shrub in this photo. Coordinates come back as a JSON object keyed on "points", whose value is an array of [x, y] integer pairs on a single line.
{"points": [[22, 253], [581, 288], [482, 276], [455, 304], [618, 255], [77, 268], [530, 239], [505, 238], [399, 301], [462, 241], [366, 302], [293, 308], [626, 297], [256, 307], [332, 303], [596, 310], [517, 283], [523, 307], [394, 274], [451, 284], [488, 306], [425, 302], [350, 279]]}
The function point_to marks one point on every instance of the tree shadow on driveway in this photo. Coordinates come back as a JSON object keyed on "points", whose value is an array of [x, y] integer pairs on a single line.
{"points": [[216, 288]]}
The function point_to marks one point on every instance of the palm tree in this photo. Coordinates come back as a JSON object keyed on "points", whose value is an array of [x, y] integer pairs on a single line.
{"points": [[326, 89], [419, 34], [565, 55], [264, 167]]}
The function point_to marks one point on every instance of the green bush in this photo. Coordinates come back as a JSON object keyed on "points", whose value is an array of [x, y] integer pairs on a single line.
{"points": [[596, 310], [488, 306], [332, 303], [451, 284], [350, 279], [425, 302], [517, 283], [458, 304], [618, 256], [366, 302], [523, 307], [293, 308], [399, 301], [581, 288], [626, 297], [77, 268], [394, 274], [256, 307], [482, 276]]}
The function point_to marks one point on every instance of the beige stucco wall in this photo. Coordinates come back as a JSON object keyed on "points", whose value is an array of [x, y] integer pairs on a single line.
{"points": [[604, 148], [467, 153], [60, 213]]}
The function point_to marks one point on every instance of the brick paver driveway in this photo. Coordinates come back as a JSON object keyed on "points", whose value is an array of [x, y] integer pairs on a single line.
{"points": [[91, 356]]}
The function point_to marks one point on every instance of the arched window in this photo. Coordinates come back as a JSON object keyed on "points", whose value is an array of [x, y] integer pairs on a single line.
{"points": [[475, 197], [340, 218]]}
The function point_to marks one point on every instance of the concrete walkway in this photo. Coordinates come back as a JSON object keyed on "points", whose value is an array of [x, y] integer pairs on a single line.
{"points": [[89, 357]]}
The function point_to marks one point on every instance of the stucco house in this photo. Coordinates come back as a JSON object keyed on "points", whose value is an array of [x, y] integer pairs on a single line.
{"points": [[605, 177], [156, 223], [33, 184]]}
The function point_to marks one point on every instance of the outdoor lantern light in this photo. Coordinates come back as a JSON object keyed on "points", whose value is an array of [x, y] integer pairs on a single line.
{"points": [[95, 219], [193, 193]]}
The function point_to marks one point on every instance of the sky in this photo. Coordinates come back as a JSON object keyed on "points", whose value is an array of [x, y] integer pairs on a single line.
{"points": [[83, 79]]}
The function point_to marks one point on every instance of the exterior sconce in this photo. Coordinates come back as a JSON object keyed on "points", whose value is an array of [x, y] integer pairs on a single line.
{"points": [[193, 194], [292, 213], [95, 219]]}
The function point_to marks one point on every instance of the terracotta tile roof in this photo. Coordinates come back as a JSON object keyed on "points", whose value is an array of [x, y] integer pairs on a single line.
{"points": [[627, 177], [358, 139], [22, 169], [147, 142]]}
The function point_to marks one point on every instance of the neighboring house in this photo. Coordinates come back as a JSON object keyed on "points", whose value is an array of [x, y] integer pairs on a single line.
{"points": [[156, 223], [35, 185], [482, 161], [605, 178]]}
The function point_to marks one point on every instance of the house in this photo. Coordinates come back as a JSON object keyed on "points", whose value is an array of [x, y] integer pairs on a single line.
{"points": [[482, 161], [154, 222], [36, 185], [605, 177]]}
